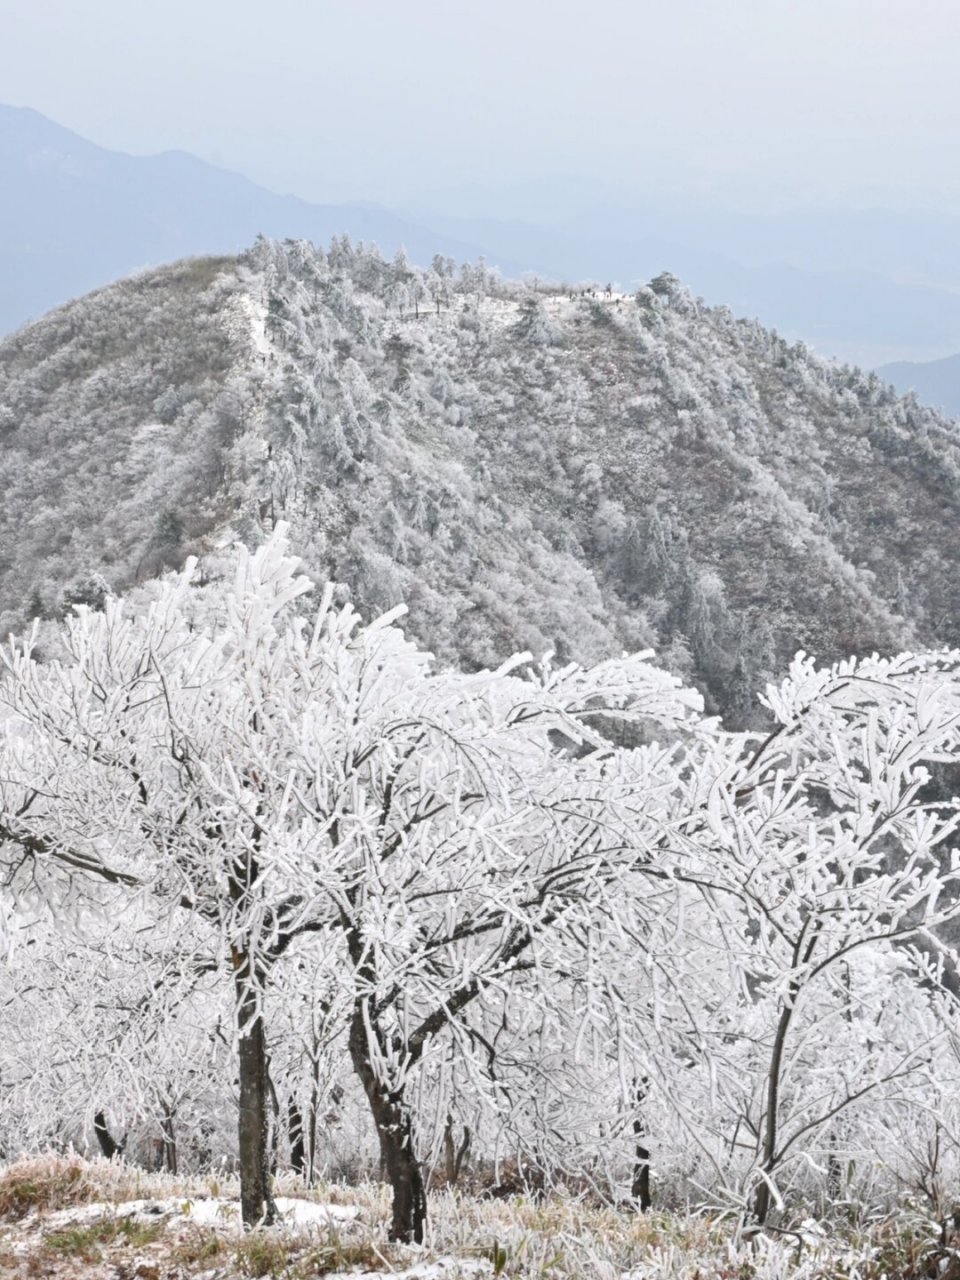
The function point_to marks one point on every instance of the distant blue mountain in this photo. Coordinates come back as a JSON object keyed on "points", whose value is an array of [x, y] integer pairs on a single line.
{"points": [[936, 382], [74, 216]]}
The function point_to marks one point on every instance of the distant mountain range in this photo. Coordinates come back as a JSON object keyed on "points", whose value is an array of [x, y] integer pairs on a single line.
{"points": [[867, 286], [935, 382], [75, 216]]}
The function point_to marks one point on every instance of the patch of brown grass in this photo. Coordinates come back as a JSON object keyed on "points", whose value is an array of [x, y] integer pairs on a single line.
{"points": [[45, 1183], [85, 1241], [266, 1254], [902, 1253], [197, 1246]]}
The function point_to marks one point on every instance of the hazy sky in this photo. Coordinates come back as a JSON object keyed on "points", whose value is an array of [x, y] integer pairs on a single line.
{"points": [[829, 98]]}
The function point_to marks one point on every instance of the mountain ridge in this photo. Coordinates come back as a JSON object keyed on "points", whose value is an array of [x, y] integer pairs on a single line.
{"points": [[866, 285], [525, 469]]}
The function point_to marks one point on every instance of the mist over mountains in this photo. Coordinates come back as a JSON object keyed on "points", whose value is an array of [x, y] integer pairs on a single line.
{"points": [[869, 286], [861, 286], [526, 469], [935, 382], [76, 216]]}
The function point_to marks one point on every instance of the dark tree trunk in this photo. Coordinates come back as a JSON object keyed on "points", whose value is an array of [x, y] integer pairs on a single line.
{"points": [[397, 1151], [169, 1138], [834, 1171], [770, 1155], [104, 1137], [453, 1155], [256, 1201], [640, 1188], [761, 1204], [404, 1174], [314, 1119], [449, 1152], [298, 1155]]}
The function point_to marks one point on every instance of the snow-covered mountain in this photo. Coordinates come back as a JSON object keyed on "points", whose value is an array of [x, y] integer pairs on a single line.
{"points": [[527, 470], [869, 285], [802, 276]]}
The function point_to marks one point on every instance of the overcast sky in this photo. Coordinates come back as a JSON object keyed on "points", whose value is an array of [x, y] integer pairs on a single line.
{"points": [[332, 99]]}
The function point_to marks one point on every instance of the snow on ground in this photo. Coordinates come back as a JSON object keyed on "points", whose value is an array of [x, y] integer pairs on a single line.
{"points": [[256, 315], [216, 1211], [503, 312], [23, 1242], [207, 1211], [244, 318], [439, 1269]]}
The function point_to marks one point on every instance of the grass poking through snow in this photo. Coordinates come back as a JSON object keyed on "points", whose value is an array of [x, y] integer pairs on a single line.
{"points": [[69, 1220]]}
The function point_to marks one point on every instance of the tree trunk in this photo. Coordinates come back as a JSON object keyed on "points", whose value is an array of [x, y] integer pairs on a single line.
{"points": [[453, 1155], [449, 1152], [761, 1204], [395, 1131], [834, 1171], [313, 1124], [168, 1130], [104, 1137], [640, 1188], [298, 1157], [404, 1173], [256, 1201]]}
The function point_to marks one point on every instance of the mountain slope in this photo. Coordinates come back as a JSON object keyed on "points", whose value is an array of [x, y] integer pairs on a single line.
{"points": [[525, 470]]}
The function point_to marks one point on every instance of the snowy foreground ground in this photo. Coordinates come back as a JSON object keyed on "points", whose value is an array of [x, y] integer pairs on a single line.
{"points": [[67, 1218]]}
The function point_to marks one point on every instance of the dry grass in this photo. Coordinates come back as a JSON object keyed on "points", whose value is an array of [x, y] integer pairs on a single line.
{"points": [[266, 1255], [48, 1183], [86, 1241], [295, 1255], [554, 1238]]}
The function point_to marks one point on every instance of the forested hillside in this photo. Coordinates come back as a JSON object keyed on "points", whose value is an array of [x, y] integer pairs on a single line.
{"points": [[526, 467], [277, 888]]}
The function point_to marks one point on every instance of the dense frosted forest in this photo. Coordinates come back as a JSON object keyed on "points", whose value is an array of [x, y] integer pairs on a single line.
{"points": [[524, 468], [408, 765]]}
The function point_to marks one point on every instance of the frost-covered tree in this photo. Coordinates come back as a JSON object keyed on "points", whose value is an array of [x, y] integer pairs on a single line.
{"points": [[549, 905], [281, 777], [456, 834], [113, 1029], [148, 756], [820, 871]]}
